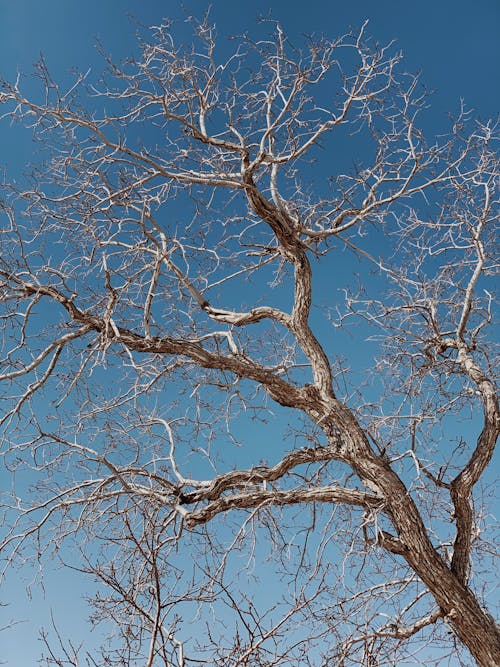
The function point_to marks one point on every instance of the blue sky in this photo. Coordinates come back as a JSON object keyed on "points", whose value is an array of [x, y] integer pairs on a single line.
{"points": [[454, 43]]}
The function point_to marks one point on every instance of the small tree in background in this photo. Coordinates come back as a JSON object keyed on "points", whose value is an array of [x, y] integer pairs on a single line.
{"points": [[250, 481]]}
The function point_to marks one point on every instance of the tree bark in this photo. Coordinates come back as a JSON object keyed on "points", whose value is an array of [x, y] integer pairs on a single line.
{"points": [[472, 624]]}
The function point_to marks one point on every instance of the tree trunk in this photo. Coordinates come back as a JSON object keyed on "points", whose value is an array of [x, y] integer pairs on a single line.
{"points": [[472, 624]]}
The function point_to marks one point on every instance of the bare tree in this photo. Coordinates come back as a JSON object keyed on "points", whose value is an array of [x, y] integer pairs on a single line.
{"points": [[194, 438]]}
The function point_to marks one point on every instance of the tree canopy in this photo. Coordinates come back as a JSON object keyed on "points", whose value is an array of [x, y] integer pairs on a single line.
{"points": [[248, 357]]}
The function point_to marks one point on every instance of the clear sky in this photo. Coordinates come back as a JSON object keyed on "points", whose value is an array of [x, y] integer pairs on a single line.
{"points": [[454, 43]]}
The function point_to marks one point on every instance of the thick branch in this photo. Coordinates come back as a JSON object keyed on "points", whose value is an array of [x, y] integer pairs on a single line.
{"points": [[247, 499]]}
